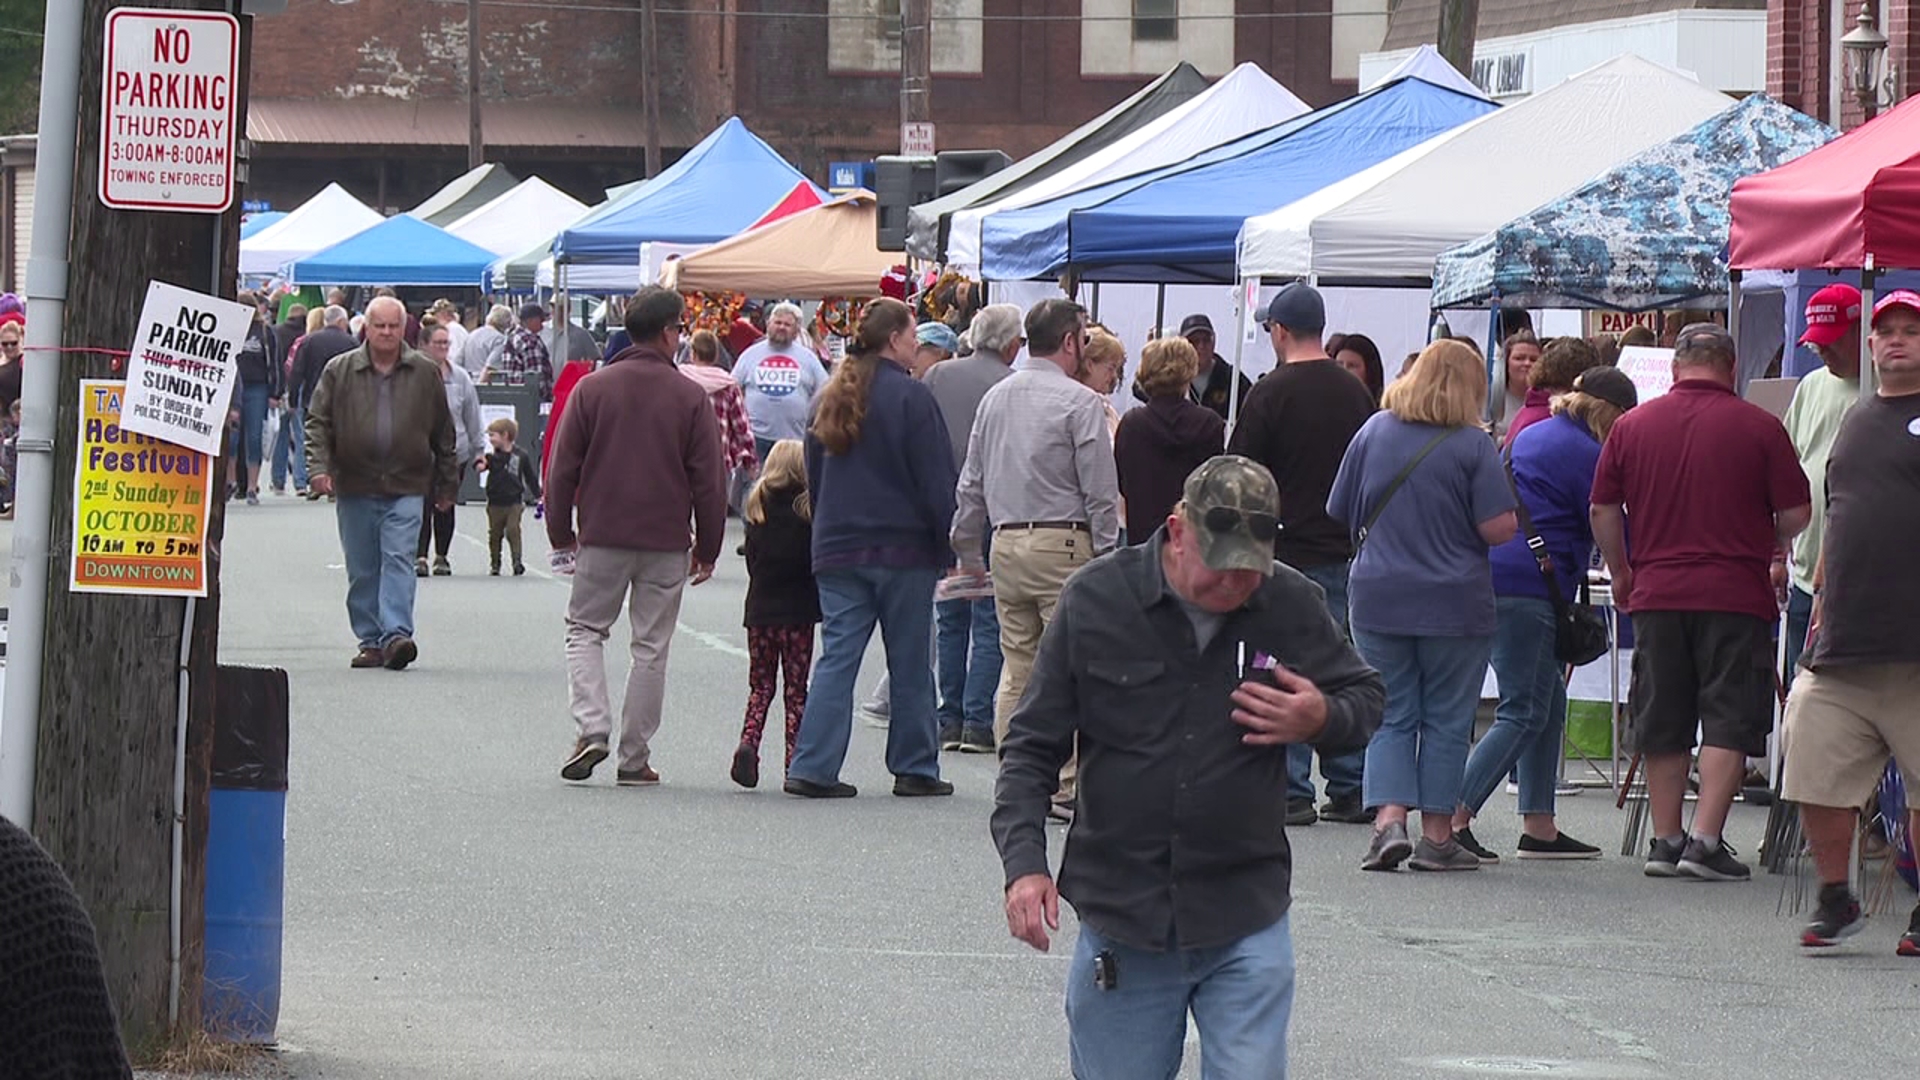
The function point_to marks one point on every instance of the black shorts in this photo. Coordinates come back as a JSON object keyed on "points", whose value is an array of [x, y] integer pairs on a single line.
{"points": [[1713, 669]]}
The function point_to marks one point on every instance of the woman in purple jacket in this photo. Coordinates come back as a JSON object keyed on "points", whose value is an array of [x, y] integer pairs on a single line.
{"points": [[1553, 463]]}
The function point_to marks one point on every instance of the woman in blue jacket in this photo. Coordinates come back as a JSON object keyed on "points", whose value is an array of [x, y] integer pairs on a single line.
{"points": [[881, 475], [1553, 463]]}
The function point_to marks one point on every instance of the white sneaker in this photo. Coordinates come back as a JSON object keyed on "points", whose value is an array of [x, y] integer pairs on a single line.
{"points": [[875, 716]]}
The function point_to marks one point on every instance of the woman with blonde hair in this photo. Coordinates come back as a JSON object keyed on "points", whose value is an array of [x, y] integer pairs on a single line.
{"points": [[1425, 494], [881, 471], [1553, 463], [1160, 443]]}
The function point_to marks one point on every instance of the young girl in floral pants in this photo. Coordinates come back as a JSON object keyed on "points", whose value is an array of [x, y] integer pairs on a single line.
{"points": [[783, 602]]}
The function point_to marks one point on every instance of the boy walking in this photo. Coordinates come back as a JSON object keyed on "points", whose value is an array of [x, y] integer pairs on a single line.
{"points": [[512, 485]]}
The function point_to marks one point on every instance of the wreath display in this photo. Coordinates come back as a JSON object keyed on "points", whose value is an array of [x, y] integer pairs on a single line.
{"points": [[837, 317], [713, 311]]}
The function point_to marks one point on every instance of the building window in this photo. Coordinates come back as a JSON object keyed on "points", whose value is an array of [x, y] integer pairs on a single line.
{"points": [[887, 19], [1156, 20]]}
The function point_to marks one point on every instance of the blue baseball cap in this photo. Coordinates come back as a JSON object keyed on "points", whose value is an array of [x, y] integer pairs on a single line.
{"points": [[939, 335]]}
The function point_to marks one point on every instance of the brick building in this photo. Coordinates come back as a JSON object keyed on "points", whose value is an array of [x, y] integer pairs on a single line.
{"points": [[372, 92], [1805, 66]]}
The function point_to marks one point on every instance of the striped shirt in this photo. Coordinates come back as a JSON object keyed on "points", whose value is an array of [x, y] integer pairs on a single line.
{"points": [[1040, 451]]}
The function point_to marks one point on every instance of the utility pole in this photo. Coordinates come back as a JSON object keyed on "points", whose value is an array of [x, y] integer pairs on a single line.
{"points": [[916, 61], [476, 142], [650, 82], [109, 666], [1459, 23]]}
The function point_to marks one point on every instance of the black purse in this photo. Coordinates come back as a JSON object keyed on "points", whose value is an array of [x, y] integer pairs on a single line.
{"points": [[1580, 633]]}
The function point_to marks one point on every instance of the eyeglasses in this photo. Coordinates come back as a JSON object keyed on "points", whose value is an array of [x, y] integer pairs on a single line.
{"points": [[1226, 519], [10, 346]]}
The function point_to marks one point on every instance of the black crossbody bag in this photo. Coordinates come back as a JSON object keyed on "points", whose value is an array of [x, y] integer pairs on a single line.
{"points": [[1366, 527], [1579, 632]]}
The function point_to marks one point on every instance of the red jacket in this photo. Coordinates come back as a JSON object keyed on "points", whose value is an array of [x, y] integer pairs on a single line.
{"points": [[637, 456], [573, 372]]}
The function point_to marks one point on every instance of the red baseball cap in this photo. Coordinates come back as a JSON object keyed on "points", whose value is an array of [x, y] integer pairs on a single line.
{"points": [[1831, 312], [1905, 298]]}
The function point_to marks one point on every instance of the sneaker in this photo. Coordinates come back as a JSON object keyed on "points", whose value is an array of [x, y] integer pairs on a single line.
{"points": [[1388, 849], [1715, 865], [519, 569], [1346, 809], [949, 736], [300, 492], [1910, 941], [420, 567], [1451, 855], [1838, 918], [921, 787], [253, 498], [400, 652], [1560, 847], [442, 568], [746, 766], [1663, 859], [1465, 838], [368, 658], [807, 789], [494, 570], [280, 492], [587, 753], [976, 740], [1300, 813], [875, 715], [1063, 810], [644, 776]]}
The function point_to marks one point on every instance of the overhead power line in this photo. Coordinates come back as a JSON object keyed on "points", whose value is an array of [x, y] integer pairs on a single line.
{"points": [[566, 5]]}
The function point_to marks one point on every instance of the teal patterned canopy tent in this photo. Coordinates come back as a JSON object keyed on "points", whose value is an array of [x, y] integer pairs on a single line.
{"points": [[1650, 232]]}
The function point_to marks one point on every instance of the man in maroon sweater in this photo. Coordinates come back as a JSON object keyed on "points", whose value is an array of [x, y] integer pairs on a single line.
{"points": [[636, 457]]}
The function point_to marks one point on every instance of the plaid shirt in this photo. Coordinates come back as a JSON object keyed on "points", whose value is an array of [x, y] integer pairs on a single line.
{"points": [[736, 437], [525, 358]]}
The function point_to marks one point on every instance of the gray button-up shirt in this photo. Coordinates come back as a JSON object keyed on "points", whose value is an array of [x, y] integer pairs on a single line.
{"points": [[1040, 451]]}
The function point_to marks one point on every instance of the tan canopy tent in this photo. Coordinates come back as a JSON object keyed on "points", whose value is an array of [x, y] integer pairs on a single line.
{"points": [[830, 250]]}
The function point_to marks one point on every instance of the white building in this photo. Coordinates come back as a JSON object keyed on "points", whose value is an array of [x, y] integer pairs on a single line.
{"points": [[1528, 45]]}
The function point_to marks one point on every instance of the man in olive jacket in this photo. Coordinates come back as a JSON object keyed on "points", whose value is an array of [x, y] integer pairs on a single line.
{"points": [[380, 440]]}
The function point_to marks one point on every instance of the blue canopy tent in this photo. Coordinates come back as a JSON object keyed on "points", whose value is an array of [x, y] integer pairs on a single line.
{"points": [[401, 250], [1180, 224], [256, 222], [718, 189], [1649, 233]]}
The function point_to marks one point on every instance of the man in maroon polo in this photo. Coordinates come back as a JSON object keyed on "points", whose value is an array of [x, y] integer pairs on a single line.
{"points": [[1714, 488]]}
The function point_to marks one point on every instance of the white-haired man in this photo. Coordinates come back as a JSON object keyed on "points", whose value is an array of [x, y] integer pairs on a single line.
{"points": [[780, 376], [484, 346]]}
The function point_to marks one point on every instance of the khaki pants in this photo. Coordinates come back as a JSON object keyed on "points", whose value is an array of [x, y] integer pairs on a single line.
{"points": [[503, 522], [1030, 567], [650, 584]]}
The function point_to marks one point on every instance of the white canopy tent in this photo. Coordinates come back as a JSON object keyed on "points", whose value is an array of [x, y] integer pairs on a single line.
{"points": [[319, 223], [1388, 223], [1427, 64], [1246, 100], [519, 219]]}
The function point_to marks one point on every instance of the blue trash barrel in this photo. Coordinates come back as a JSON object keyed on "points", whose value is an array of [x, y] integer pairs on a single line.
{"points": [[246, 856]]}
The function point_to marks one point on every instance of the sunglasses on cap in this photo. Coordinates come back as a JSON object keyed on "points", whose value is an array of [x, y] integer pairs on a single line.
{"points": [[1226, 519]]}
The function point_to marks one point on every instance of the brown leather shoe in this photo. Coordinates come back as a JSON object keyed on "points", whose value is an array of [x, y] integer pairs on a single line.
{"points": [[400, 652], [369, 658]]}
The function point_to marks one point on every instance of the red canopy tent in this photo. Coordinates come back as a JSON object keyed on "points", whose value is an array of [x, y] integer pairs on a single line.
{"points": [[804, 196], [1853, 203]]}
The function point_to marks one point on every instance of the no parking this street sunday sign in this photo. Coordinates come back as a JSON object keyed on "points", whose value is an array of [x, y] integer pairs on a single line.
{"points": [[166, 122]]}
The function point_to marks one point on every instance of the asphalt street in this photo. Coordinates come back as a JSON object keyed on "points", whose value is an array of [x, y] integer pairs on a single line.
{"points": [[454, 909]]}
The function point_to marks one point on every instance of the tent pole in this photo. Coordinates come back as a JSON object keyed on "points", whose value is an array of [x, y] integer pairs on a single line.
{"points": [[1096, 301], [1496, 366], [1869, 382], [1159, 308], [1733, 322], [1241, 315]]}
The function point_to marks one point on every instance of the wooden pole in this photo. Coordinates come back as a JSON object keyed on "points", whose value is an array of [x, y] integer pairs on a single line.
{"points": [[1459, 23], [476, 140], [103, 791], [650, 81], [916, 61]]}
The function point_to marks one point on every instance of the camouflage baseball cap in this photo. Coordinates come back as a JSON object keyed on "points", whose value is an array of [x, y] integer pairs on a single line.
{"points": [[1234, 506]]}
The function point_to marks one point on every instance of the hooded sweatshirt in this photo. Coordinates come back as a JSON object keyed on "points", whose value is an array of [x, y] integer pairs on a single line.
{"points": [[730, 409], [1156, 448]]}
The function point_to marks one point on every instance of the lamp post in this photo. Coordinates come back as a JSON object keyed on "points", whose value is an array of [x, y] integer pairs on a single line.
{"points": [[1865, 49]]}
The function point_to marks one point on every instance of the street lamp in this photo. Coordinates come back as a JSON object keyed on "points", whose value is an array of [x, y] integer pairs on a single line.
{"points": [[1865, 48]]}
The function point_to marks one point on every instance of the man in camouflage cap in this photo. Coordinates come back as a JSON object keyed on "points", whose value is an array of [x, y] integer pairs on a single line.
{"points": [[1177, 863]]}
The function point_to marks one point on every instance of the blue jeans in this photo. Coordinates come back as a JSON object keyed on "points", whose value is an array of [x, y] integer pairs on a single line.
{"points": [[291, 448], [1532, 714], [253, 424], [377, 535], [1240, 995], [969, 650], [1418, 758], [1342, 772], [851, 601], [1799, 614]]}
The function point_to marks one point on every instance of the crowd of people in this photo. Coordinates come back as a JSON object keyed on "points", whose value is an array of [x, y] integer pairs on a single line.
{"points": [[1087, 594]]}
